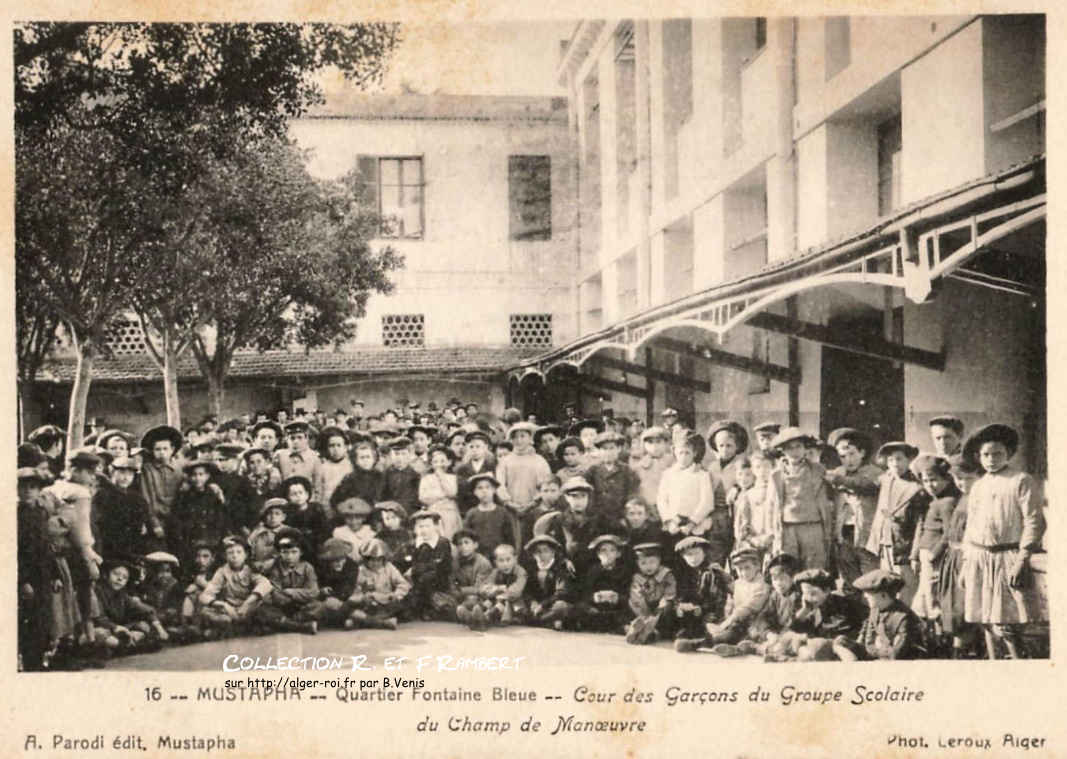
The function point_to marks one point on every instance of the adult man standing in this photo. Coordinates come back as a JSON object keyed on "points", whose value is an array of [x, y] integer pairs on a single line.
{"points": [[946, 432]]}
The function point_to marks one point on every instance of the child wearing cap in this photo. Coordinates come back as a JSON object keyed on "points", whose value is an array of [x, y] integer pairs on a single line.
{"points": [[162, 590], [612, 482], [930, 542], [1005, 526], [702, 592], [549, 499], [728, 442], [549, 583], [431, 570], [502, 591], [749, 595], [261, 541], [470, 571], [263, 480], [380, 590], [199, 511], [401, 482], [570, 453], [335, 464], [806, 507], [388, 520], [293, 604], [338, 573], [493, 524], [123, 622], [574, 527], [302, 513], [650, 461], [822, 613], [783, 601], [478, 460], [439, 488], [855, 506], [891, 630], [123, 517], [653, 592], [365, 481], [902, 503], [602, 604], [354, 512]]}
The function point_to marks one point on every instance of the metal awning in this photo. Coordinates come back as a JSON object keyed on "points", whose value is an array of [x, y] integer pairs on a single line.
{"points": [[912, 250]]}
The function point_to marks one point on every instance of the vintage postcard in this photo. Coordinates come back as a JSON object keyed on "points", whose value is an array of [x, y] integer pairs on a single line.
{"points": [[477, 379]]}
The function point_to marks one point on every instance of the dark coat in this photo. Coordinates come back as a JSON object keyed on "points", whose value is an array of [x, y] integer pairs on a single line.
{"points": [[341, 584], [365, 484], [613, 489], [431, 568], [402, 486], [616, 579], [840, 615], [892, 633], [558, 584], [122, 519]]}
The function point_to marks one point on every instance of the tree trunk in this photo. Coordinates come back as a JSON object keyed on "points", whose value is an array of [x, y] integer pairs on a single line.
{"points": [[216, 392], [24, 389], [79, 394], [170, 381]]}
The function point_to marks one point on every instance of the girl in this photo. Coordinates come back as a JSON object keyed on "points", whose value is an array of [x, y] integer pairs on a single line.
{"points": [[438, 489], [685, 496], [928, 547], [365, 481], [336, 464], [570, 453], [1005, 526]]}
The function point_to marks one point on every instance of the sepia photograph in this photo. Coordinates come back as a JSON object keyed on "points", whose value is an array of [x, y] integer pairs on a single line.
{"points": [[697, 343]]}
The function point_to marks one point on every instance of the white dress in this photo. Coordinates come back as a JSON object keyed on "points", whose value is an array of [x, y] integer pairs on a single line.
{"points": [[438, 493]]}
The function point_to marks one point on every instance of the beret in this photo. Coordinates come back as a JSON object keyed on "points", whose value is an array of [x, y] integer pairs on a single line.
{"points": [[335, 548], [692, 541], [820, 578], [576, 483], [879, 580], [786, 561]]}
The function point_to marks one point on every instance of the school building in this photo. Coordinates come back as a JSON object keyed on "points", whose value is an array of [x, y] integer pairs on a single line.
{"points": [[815, 221], [476, 192]]}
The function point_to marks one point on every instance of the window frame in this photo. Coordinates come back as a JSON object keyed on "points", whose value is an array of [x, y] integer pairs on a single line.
{"points": [[421, 184]]}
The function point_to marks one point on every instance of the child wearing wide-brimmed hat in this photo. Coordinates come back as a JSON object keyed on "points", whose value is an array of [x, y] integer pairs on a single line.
{"points": [[902, 503], [807, 522]]}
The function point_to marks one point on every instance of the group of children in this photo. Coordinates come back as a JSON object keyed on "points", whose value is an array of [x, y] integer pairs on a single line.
{"points": [[583, 528]]}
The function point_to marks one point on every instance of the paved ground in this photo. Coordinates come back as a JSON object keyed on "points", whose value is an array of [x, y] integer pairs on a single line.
{"points": [[542, 648]]}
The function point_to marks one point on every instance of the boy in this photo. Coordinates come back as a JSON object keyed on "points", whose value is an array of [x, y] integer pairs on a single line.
{"points": [[603, 605], [401, 482], [380, 590], [754, 509], [298, 460], [431, 569], [891, 630], [387, 520], [653, 592], [199, 512], [650, 461], [574, 528], [303, 514], [470, 571], [478, 461], [263, 480], [421, 435], [613, 483], [124, 517], [492, 523], [354, 532], [242, 501], [335, 464], [262, 540], [854, 510], [902, 504], [162, 591], [804, 498], [822, 613], [784, 598], [293, 604], [502, 592], [161, 478], [338, 573], [203, 569], [546, 440], [748, 597], [522, 473], [266, 435], [570, 454], [549, 583], [586, 430], [122, 621], [702, 591], [549, 497], [502, 449], [366, 480]]}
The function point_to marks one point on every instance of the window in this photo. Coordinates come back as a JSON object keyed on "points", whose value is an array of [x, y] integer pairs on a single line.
{"points": [[404, 330], [838, 45], [126, 337], [531, 330], [394, 187], [889, 147], [530, 196], [761, 32]]}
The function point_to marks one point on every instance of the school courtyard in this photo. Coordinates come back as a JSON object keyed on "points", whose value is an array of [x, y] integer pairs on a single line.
{"points": [[542, 648]]}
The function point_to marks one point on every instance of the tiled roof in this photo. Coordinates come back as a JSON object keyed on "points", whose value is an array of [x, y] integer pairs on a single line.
{"points": [[141, 368], [353, 104]]}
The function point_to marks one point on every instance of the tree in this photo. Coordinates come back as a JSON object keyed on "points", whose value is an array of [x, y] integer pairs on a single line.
{"points": [[147, 102]]}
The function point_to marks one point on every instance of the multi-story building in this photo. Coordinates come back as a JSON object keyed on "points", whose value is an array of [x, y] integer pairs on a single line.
{"points": [[819, 221], [477, 193]]}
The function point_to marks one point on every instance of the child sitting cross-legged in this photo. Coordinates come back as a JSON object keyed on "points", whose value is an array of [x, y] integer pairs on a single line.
{"points": [[338, 573], [653, 593], [163, 592], [234, 592], [549, 583], [603, 603], [470, 571], [293, 605], [702, 592], [380, 590], [196, 581], [891, 630], [749, 595], [502, 592], [123, 623], [431, 570]]}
